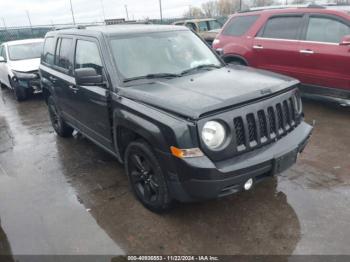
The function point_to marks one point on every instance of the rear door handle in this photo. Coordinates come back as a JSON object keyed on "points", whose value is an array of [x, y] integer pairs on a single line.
{"points": [[306, 51], [258, 47], [53, 79]]}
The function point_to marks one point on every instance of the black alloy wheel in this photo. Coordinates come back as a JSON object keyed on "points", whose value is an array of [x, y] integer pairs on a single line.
{"points": [[58, 124], [146, 177]]}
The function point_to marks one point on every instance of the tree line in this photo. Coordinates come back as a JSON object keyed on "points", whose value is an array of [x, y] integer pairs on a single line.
{"points": [[218, 8]]}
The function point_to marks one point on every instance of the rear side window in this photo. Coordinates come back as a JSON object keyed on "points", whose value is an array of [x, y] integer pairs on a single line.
{"points": [[287, 27], [239, 25], [322, 29], [87, 55], [63, 52], [203, 26], [49, 50]]}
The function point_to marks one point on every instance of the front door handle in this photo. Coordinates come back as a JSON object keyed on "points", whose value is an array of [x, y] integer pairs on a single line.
{"points": [[258, 47], [306, 51], [73, 88]]}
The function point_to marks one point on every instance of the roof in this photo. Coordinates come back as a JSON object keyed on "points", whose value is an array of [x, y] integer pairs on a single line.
{"points": [[296, 9], [25, 41], [120, 29], [196, 20], [293, 10]]}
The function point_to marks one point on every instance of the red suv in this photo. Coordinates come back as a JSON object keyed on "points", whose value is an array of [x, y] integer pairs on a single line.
{"points": [[310, 44]]}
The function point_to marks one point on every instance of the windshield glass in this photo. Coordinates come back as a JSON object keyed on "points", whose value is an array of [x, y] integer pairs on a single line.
{"points": [[25, 51], [159, 53]]}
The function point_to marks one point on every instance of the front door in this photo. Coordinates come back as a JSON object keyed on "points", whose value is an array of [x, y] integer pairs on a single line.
{"points": [[276, 47], [91, 102], [324, 62]]}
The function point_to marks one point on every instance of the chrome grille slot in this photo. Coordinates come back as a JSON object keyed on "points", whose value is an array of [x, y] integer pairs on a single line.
{"points": [[262, 126], [280, 118], [240, 135], [252, 132]]}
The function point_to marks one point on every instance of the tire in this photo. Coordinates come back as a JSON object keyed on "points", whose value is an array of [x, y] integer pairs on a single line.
{"points": [[59, 125], [236, 62], [146, 177], [21, 94]]}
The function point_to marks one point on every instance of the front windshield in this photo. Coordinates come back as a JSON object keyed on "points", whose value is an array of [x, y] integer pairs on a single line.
{"points": [[25, 51], [160, 53]]}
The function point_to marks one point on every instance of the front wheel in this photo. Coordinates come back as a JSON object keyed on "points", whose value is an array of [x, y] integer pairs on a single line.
{"points": [[146, 177], [20, 93], [58, 124]]}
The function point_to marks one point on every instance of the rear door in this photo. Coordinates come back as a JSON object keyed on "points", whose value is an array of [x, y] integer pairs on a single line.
{"points": [[323, 61], [62, 78], [91, 102], [276, 47]]}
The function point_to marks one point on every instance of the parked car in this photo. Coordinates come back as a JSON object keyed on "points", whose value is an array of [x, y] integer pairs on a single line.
{"points": [[186, 126], [310, 44], [207, 28], [19, 66]]}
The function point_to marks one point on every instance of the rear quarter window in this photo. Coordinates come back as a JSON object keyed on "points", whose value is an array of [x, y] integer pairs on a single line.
{"points": [[239, 25], [49, 50]]}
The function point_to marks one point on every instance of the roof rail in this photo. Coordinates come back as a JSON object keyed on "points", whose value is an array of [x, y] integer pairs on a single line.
{"points": [[70, 27], [271, 7]]}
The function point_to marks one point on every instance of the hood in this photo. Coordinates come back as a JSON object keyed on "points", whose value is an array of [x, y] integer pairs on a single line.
{"points": [[194, 95], [27, 65]]}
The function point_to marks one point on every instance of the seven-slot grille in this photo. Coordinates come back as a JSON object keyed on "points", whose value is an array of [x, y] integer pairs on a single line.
{"points": [[265, 125]]}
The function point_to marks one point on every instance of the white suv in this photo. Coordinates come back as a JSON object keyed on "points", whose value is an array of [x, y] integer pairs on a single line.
{"points": [[19, 66]]}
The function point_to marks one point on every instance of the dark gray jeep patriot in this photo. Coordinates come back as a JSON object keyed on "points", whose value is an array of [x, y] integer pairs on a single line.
{"points": [[186, 126]]}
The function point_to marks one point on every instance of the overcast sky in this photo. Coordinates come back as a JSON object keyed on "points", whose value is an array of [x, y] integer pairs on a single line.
{"points": [[58, 11]]}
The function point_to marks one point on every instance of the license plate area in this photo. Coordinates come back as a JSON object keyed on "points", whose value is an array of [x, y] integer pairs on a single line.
{"points": [[286, 161]]}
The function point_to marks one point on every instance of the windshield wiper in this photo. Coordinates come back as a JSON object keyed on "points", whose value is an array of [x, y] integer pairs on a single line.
{"points": [[200, 67], [152, 76]]}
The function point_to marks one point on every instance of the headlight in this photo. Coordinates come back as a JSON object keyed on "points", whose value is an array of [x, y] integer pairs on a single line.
{"points": [[213, 134], [25, 76]]}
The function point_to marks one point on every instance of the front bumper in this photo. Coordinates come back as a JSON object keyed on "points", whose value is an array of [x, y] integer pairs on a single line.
{"points": [[199, 178], [33, 84]]}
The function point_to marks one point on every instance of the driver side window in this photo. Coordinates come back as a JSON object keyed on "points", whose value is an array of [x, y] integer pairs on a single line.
{"points": [[87, 55]]}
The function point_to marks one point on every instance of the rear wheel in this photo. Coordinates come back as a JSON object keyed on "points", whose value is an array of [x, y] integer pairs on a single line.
{"points": [[58, 124], [146, 177]]}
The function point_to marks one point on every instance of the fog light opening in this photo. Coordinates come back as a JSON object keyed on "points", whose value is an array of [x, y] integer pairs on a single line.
{"points": [[249, 184]]}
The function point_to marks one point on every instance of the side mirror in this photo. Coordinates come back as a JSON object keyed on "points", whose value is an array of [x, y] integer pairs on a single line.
{"points": [[88, 76], [345, 40], [2, 59]]}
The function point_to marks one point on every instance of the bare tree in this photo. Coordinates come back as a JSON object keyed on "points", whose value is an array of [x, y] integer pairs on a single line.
{"points": [[193, 12], [259, 3], [227, 7], [210, 8], [299, 2]]}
